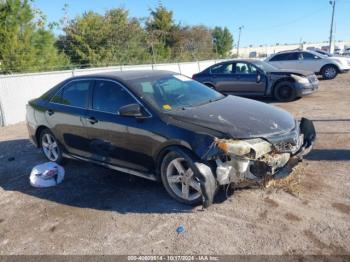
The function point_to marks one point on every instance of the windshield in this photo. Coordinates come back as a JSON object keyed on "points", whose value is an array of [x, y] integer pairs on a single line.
{"points": [[264, 66], [174, 92]]}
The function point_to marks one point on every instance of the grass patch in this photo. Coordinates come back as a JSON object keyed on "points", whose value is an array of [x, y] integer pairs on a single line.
{"points": [[290, 184]]}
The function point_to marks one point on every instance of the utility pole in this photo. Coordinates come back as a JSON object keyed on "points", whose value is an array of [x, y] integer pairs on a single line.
{"points": [[332, 3], [215, 43], [239, 39]]}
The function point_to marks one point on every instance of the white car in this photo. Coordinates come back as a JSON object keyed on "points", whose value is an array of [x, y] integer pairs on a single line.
{"points": [[320, 64], [346, 51]]}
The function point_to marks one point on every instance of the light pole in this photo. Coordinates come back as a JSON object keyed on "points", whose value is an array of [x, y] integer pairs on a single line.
{"points": [[332, 3], [239, 38]]}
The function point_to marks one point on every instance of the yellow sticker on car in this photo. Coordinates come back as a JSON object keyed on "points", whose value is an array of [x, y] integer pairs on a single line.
{"points": [[166, 107]]}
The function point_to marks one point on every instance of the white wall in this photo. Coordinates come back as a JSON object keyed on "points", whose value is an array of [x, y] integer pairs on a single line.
{"points": [[17, 90]]}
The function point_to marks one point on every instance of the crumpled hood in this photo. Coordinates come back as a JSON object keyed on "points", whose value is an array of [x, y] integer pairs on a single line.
{"points": [[289, 72], [237, 117]]}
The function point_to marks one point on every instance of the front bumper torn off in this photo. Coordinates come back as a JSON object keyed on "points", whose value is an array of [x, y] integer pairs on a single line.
{"points": [[257, 159]]}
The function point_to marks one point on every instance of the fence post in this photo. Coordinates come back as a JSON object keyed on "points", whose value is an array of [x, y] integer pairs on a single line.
{"points": [[199, 67], [179, 66], [2, 117]]}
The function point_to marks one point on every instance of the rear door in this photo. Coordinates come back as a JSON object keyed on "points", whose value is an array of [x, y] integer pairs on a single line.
{"points": [[223, 78], [286, 60], [65, 114]]}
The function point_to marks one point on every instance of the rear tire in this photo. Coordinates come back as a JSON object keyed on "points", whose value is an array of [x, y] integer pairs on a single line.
{"points": [[179, 180], [285, 91], [329, 72], [50, 146]]}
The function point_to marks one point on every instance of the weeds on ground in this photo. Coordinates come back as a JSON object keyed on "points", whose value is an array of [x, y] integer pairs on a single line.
{"points": [[290, 184]]}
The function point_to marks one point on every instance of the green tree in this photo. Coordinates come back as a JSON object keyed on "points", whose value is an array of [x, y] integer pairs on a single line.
{"points": [[25, 44], [85, 39], [192, 43], [223, 41], [126, 38], [160, 26], [113, 38]]}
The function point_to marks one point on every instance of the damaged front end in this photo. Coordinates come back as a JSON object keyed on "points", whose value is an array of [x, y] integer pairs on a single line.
{"points": [[259, 159]]}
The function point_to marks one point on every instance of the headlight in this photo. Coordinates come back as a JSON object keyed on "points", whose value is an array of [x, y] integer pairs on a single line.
{"points": [[250, 148], [300, 79]]}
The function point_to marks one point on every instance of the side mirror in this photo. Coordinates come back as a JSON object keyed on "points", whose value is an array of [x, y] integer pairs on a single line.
{"points": [[258, 77], [131, 110]]}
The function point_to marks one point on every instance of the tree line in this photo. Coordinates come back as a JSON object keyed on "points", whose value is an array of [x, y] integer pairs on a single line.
{"points": [[28, 43]]}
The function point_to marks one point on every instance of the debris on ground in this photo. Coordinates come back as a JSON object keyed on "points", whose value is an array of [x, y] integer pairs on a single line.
{"points": [[180, 229], [46, 175]]}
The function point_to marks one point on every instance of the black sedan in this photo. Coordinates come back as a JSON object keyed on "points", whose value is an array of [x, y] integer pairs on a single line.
{"points": [[257, 78], [164, 126]]}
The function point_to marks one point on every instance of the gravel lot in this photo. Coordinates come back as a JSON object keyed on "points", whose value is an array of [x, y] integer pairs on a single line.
{"points": [[99, 211]]}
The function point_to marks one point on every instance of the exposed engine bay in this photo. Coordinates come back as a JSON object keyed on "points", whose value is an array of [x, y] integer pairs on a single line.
{"points": [[256, 159]]}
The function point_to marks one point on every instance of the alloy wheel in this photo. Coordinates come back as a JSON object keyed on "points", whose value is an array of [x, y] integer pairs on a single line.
{"points": [[182, 181], [330, 72], [50, 147]]}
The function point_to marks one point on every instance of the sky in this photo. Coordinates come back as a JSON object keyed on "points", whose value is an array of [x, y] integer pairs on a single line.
{"points": [[266, 22]]}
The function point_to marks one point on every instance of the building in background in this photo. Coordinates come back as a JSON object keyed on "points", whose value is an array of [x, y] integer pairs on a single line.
{"points": [[266, 50]]}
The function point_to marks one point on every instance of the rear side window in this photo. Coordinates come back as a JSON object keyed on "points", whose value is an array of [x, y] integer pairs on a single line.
{"points": [[109, 97], [74, 94], [221, 69], [285, 57], [308, 56]]}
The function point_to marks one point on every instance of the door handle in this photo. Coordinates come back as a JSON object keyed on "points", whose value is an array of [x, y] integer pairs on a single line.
{"points": [[50, 112], [92, 120]]}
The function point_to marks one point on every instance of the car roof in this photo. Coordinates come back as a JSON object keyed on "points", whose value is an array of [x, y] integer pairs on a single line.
{"points": [[128, 75], [289, 51], [248, 60]]}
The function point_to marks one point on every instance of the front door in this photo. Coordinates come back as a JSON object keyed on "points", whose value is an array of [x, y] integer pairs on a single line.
{"points": [[246, 79], [115, 139], [310, 62]]}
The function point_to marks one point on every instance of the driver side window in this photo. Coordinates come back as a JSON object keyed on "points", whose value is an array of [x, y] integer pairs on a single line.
{"points": [[244, 68], [109, 97]]}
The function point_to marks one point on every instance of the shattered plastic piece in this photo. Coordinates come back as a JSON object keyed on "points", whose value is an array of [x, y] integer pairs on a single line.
{"points": [[180, 229], [251, 148], [46, 175]]}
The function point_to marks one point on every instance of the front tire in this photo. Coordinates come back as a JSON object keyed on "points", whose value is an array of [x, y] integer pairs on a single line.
{"points": [[285, 91], [179, 180], [50, 146], [329, 72]]}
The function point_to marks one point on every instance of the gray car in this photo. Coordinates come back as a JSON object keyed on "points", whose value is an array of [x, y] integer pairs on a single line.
{"points": [[258, 78]]}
